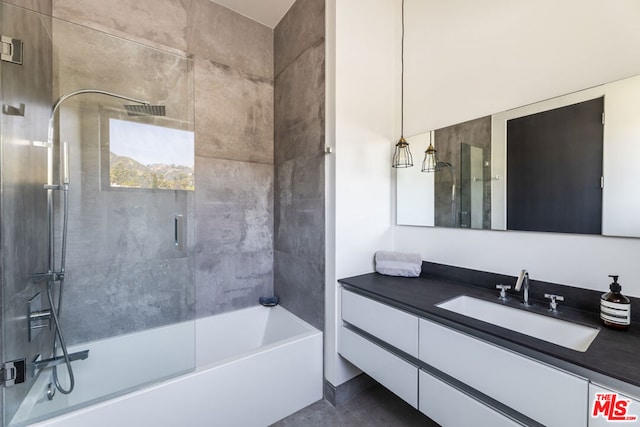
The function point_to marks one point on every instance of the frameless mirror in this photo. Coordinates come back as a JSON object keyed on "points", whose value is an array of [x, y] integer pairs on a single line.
{"points": [[561, 165]]}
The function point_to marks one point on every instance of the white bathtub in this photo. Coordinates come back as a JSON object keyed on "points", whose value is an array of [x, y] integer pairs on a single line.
{"points": [[253, 367]]}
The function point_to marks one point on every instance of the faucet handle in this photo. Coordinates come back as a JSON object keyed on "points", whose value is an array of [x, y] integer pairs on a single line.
{"points": [[553, 304], [503, 289]]}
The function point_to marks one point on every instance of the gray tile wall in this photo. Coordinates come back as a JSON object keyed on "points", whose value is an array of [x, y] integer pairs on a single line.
{"points": [[476, 133], [234, 67], [299, 51], [41, 6], [233, 91], [23, 230], [124, 273], [122, 283], [234, 158]]}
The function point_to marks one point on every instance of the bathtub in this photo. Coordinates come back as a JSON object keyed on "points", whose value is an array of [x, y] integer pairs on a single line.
{"points": [[252, 368]]}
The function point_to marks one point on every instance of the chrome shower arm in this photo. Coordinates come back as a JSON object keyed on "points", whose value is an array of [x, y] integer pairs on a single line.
{"points": [[66, 96]]}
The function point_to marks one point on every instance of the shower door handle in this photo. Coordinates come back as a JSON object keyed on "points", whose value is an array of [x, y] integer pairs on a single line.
{"points": [[179, 232], [65, 163]]}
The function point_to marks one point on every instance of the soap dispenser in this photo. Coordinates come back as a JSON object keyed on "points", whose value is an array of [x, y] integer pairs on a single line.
{"points": [[615, 308]]}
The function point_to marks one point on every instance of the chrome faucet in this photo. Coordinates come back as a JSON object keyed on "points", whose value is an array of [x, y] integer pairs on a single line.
{"points": [[523, 281]]}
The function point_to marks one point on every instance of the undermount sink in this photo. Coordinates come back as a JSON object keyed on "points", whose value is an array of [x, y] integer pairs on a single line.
{"points": [[567, 334]]}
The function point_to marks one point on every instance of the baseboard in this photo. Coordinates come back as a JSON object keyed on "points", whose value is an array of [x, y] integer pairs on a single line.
{"points": [[336, 396]]}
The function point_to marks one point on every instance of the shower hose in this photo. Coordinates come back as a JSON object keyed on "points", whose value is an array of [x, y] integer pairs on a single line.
{"points": [[55, 312]]}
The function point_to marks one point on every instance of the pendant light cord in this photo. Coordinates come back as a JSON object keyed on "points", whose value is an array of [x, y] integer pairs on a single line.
{"points": [[402, 76]]}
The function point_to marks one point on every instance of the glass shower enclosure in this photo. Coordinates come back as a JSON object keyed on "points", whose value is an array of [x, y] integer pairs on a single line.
{"points": [[96, 211]]}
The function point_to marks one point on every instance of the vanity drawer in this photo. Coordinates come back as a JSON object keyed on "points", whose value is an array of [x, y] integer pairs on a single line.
{"points": [[386, 368], [391, 325], [449, 406], [545, 394]]}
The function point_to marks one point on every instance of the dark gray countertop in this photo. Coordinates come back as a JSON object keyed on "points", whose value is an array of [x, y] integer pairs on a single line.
{"points": [[613, 354]]}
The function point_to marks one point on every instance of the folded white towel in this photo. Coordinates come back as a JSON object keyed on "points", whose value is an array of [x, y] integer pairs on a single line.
{"points": [[398, 264]]}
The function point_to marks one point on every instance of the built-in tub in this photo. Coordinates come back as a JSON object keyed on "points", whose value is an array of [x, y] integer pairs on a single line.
{"points": [[253, 367]]}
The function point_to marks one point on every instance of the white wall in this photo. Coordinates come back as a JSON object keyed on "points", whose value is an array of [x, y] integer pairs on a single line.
{"points": [[362, 122], [470, 59], [621, 207], [415, 189]]}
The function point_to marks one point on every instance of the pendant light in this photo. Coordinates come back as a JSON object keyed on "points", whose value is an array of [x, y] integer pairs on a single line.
{"points": [[430, 162], [402, 156]]}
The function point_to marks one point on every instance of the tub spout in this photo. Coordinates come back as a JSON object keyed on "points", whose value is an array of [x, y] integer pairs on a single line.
{"points": [[40, 364]]}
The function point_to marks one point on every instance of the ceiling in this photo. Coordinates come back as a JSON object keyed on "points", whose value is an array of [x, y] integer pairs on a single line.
{"points": [[266, 12]]}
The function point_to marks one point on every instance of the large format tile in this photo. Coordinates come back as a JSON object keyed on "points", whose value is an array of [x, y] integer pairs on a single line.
{"points": [[159, 21], [300, 107], [300, 178], [88, 59], [299, 283], [231, 279], [234, 114], [301, 27], [378, 407], [299, 161], [234, 234], [223, 36], [105, 300], [41, 6], [235, 193], [299, 223], [320, 414], [298, 230], [375, 407]]}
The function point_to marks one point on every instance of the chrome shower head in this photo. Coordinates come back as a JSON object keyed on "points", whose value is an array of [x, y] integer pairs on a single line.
{"points": [[145, 110]]}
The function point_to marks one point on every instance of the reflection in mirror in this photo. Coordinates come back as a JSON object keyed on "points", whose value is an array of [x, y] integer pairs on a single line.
{"points": [[483, 199], [462, 190], [472, 188], [554, 166], [415, 190]]}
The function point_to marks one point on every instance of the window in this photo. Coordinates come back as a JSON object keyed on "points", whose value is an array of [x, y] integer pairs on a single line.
{"points": [[146, 155]]}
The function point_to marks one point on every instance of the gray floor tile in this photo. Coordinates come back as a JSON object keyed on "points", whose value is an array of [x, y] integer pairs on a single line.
{"points": [[372, 408], [319, 414], [379, 407]]}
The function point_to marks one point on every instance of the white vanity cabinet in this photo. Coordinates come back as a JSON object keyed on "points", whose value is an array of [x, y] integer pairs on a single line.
{"points": [[608, 407], [448, 406], [393, 326], [543, 393], [388, 369], [419, 360]]}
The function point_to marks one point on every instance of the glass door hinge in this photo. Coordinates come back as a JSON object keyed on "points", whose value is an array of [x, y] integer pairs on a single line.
{"points": [[11, 50], [13, 372]]}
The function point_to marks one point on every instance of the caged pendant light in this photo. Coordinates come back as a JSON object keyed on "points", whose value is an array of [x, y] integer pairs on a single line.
{"points": [[402, 156], [430, 162]]}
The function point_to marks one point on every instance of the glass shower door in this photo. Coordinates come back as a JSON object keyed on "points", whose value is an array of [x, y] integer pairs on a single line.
{"points": [[120, 149], [25, 92]]}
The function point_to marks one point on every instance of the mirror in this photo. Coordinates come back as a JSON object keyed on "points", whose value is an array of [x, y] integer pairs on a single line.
{"points": [[565, 165]]}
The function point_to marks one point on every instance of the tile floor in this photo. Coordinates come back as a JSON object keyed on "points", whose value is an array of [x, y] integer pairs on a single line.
{"points": [[376, 407]]}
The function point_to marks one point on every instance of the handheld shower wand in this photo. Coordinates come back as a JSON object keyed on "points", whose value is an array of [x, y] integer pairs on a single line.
{"points": [[63, 185]]}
